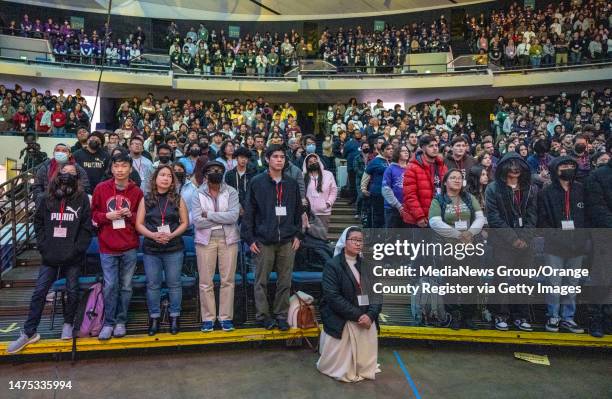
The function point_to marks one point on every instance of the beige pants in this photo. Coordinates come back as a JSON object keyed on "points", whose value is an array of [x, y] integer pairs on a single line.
{"points": [[207, 263]]}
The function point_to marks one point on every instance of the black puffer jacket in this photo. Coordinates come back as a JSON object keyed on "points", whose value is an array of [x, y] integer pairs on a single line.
{"points": [[551, 211], [599, 196], [339, 297]]}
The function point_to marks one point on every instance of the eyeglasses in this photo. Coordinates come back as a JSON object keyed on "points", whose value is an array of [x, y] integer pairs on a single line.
{"points": [[356, 241], [455, 178]]}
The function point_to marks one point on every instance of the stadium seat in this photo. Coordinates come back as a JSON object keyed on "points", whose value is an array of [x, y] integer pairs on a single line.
{"points": [[307, 277]]}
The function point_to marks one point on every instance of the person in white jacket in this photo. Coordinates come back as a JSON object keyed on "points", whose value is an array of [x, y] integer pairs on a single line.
{"points": [[321, 188], [261, 61], [214, 212]]}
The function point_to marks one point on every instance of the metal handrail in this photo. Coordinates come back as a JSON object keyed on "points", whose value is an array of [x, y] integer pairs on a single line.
{"points": [[16, 218], [557, 68]]}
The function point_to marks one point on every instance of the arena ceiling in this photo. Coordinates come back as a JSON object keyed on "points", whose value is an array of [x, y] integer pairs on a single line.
{"points": [[252, 10]]}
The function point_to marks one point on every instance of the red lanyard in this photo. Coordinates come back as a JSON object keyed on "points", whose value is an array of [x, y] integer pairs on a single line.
{"points": [[279, 193], [458, 211], [518, 200], [567, 205], [115, 195], [62, 208], [163, 213]]}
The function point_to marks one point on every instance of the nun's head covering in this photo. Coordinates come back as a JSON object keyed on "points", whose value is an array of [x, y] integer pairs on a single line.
{"points": [[342, 240]]}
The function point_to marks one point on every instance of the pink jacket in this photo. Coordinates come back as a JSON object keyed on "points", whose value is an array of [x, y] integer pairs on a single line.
{"points": [[329, 190]]}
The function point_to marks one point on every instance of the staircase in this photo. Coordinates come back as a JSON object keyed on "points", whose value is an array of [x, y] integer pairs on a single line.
{"points": [[341, 218]]}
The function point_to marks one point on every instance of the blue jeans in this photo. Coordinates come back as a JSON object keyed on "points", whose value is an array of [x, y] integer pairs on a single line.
{"points": [[58, 130], [118, 272], [564, 306], [156, 266]]}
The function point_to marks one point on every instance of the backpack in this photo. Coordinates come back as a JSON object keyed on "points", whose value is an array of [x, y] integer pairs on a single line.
{"points": [[93, 313]]}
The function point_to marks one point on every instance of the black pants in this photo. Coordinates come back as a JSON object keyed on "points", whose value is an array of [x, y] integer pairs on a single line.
{"points": [[46, 276], [351, 182], [377, 204], [393, 219]]}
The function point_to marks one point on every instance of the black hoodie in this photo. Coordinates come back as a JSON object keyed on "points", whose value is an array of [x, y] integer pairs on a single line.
{"points": [[504, 215], [56, 251], [551, 211]]}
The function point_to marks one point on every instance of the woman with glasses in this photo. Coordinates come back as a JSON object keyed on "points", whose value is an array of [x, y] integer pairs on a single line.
{"points": [[349, 341], [456, 216]]}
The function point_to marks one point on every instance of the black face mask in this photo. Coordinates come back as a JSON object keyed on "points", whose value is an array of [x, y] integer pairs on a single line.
{"points": [[567, 174], [67, 179], [180, 176], [93, 145], [580, 148], [313, 167], [194, 152], [214, 178], [365, 150], [164, 159]]}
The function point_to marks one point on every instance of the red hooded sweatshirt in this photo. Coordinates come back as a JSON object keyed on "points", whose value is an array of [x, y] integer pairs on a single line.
{"points": [[105, 199]]}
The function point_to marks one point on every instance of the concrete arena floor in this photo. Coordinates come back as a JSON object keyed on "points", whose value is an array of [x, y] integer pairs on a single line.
{"points": [[437, 372]]}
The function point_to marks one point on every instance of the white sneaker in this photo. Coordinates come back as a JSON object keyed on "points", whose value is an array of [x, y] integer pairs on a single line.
{"points": [[21, 342], [571, 326], [106, 333], [501, 324], [522, 324], [119, 331], [552, 325], [67, 331]]}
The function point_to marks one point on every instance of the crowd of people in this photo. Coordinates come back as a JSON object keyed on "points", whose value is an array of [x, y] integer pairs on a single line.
{"points": [[558, 34], [243, 176], [43, 113], [80, 46], [519, 36]]}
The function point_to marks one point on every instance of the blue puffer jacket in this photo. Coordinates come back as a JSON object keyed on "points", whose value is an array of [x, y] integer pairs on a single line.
{"points": [[376, 169]]}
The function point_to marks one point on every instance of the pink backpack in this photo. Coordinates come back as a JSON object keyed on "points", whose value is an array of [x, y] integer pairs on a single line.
{"points": [[93, 314]]}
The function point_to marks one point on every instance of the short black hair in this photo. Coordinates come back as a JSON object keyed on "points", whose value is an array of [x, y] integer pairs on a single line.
{"points": [[164, 146], [274, 148], [136, 138], [425, 140], [242, 152], [122, 156]]}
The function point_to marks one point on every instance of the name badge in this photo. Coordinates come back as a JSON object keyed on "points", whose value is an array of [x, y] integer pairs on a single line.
{"points": [[567, 225], [464, 182], [259, 162], [118, 224], [520, 222], [164, 228], [60, 232], [461, 225], [438, 190], [363, 300], [281, 210]]}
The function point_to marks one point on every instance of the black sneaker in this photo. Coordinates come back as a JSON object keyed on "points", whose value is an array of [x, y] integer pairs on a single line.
{"points": [[283, 325], [455, 323], [596, 328], [469, 323], [268, 323]]}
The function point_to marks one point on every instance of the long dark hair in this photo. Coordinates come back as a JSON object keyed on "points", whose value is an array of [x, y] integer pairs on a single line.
{"points": [[55, 185], [319, 172], [473, 180], [152, 198]]}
